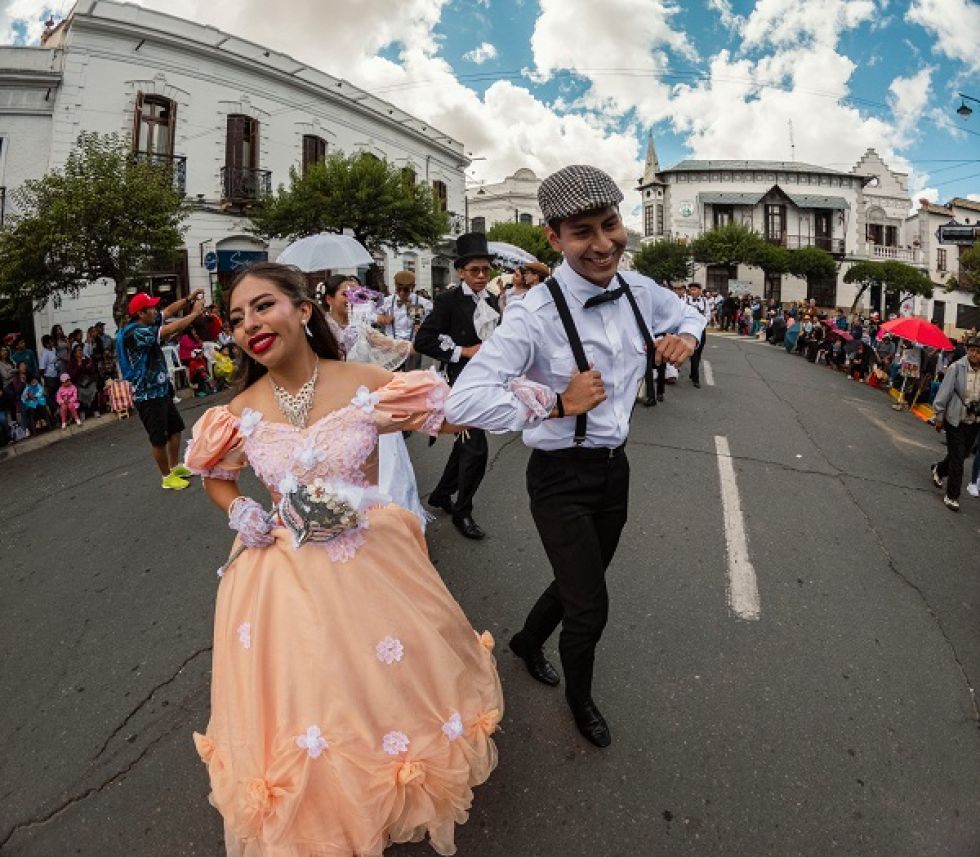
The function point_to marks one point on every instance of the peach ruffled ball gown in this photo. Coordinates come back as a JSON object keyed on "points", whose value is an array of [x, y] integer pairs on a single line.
{"points": [[352, 703]]}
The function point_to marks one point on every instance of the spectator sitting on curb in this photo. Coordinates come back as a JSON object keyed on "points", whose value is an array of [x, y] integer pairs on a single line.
{"points": [[35, 406], [67, 399]]}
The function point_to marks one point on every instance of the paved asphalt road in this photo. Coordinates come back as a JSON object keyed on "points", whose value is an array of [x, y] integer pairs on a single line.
{"points": [[841, 722]]}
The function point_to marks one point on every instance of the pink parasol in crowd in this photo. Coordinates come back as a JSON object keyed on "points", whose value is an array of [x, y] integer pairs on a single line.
{"points": [[833, 330], [919, 331]]}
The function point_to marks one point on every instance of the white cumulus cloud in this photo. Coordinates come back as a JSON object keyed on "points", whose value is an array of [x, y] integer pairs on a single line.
{"points": [[481, 54], [955, 24]]}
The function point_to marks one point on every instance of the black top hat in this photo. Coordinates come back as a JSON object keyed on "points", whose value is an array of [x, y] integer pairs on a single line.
{"points": [[472, 245]]}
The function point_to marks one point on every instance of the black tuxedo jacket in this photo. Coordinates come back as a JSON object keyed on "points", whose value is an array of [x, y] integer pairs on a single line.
{"points": [[452, 315]]}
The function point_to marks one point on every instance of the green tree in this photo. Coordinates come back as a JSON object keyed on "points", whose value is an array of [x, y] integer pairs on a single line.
{"points": [[969, 279], [104, 214], [733, 244], [772, 259], [891, 275], [812, 264], [665, 261], [528, 237], [359, 192]]}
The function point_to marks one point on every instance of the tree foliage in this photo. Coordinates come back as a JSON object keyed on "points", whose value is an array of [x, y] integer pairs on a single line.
{"points": [[812, 264], [771, 258], [891, 275], [732, 244], [105, 214], [969, 279], [359, 192], [528, 237], [666, 262]]}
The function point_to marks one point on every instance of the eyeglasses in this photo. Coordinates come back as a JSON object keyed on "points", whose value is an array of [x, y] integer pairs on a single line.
{"points": [[483, 271]]}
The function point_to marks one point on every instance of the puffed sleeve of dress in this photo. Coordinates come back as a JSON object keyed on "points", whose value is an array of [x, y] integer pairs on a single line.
{"points": [[216, 449], [411, 401]]}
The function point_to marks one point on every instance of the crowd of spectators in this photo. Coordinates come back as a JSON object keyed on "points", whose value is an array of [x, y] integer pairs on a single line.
{"points": [[66, 380]]}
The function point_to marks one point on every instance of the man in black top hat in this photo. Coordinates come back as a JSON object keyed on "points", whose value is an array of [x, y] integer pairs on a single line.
{"points": [[449, 335]]}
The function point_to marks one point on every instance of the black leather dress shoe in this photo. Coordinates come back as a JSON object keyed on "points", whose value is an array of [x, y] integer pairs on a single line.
{"points": [[660, 397], [537, 665], [468, 527], [445, 505], [697, 384], [591, 723]]}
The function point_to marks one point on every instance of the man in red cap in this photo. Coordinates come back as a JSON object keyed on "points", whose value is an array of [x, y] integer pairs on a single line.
{"points": [[142, 362]]}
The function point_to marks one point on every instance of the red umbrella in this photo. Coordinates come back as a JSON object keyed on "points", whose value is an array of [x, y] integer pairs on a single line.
{"points": [[919, 331]]}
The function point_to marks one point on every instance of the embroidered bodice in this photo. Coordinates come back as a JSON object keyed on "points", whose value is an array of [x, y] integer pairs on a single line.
{"points": [[338, 447]]}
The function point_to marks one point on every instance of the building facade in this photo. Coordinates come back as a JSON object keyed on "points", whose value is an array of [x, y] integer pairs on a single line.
{"points": [[513, 200], [230, 116], [950, 307], [856, 215]]}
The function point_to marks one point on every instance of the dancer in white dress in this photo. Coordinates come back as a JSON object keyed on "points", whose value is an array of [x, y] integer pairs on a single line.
{"points": [[361, 343]]}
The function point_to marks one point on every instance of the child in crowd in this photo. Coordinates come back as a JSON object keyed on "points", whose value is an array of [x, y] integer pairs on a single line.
{"points": [[67, 399], [224, 366], [35, 405], [197, 370]]}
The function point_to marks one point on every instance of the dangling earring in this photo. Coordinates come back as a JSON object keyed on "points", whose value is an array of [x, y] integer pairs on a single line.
{"points": [[306, 327]]}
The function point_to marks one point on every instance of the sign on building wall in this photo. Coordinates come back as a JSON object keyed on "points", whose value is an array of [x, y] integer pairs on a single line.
{"points": [[235, 260]]}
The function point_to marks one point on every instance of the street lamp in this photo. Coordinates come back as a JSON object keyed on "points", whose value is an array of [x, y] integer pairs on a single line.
{"points": [[964, 109]]}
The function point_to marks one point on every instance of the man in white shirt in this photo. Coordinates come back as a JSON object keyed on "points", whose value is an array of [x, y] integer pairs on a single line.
{"points": [[700, 303], [579, 333], [403, 312]]}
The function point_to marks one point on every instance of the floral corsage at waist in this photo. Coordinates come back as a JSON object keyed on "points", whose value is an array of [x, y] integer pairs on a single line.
{"points": [[326, 509]]}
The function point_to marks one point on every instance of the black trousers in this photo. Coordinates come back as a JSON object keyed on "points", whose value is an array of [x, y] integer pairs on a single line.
{"points": [[463, 472], [579, 507], [696, 360], [959, 444]]}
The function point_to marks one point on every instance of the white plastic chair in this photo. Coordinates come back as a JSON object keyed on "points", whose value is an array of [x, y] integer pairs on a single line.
{"points": [[209, 348], [174, 366]]}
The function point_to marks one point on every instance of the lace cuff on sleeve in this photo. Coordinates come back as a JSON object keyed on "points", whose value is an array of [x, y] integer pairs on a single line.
{"points": [[412, 401]]}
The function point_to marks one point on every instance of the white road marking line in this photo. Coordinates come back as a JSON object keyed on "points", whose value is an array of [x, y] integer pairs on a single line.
{"points": [[709, 376], [743, 590]]}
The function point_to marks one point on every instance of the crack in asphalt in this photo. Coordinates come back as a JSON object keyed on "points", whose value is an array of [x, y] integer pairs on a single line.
{"points": [[841, 477], [517, 436], [146, 699], [75, 799]]}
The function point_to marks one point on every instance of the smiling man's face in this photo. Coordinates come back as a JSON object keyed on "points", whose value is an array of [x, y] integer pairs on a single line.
{"points": [[592, 243]]}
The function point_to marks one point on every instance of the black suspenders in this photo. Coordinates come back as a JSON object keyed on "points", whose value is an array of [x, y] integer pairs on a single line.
{"points": [[578, 352]]}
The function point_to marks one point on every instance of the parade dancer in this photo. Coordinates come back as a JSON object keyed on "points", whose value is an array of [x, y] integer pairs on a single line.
{"points": [[695, 299], [402, 313], [450, 335], [352, 703], [586, 336], [360, 342]]}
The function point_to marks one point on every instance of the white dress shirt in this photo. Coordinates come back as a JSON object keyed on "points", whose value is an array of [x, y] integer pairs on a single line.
{"points": [[477, 297], [699, 303], [403, 327], [532, 342]]}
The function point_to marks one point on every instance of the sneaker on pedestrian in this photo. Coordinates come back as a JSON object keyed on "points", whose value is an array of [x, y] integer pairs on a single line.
{"points": [[78, 422], [937, 480], [64, 426], [973, 489], [174, 483], [96, 414], [952, 505], [181, 471]]}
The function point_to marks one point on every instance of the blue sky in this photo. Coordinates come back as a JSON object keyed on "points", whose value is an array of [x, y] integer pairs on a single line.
{"points": [[942, 148]]}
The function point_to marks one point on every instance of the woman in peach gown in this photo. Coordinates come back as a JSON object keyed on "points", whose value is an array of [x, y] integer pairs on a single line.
{"points": [[351, 703]]}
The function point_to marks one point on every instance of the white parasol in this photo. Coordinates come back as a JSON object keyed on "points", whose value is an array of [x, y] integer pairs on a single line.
{"points": [[507, 257], [326, 251]]}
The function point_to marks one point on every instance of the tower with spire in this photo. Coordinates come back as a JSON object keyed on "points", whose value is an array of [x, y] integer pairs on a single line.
{"points": [[652, 190]]}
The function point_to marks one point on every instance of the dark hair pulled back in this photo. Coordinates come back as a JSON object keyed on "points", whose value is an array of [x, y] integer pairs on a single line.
{"points": [[333, 284], [292, 283]]}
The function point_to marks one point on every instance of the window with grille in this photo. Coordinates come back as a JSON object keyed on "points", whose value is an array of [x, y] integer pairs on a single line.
{"points": [[314, 151], [528, 219], [649, 219], [478, 224], [940, 260], [775, 223], [660, 218], [154, 124]]}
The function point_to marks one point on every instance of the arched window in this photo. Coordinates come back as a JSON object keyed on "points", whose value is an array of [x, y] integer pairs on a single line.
{"points": [[528, 219], [154, 124]]}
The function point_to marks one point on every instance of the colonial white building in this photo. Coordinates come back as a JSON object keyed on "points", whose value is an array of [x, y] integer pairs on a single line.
{"points": [[852, 215], [230, 115], [514, 200], [950, 307]]}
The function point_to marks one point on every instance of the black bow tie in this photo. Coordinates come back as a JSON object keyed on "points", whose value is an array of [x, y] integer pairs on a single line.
{"points": [[607, 295]]}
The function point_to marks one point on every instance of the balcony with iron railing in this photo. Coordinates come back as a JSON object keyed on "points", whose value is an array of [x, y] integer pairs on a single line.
{"points": [[834, 246], [880, 252], [244, 185], [177, 164]]}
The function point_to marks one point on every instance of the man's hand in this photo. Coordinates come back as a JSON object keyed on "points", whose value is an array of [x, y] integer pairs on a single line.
{"points": [[939, 424], [674, 349], [468, 351], [584, 392]]}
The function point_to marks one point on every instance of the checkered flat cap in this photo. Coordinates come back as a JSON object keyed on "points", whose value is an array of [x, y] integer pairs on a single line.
{"points": [[575, 189]]}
